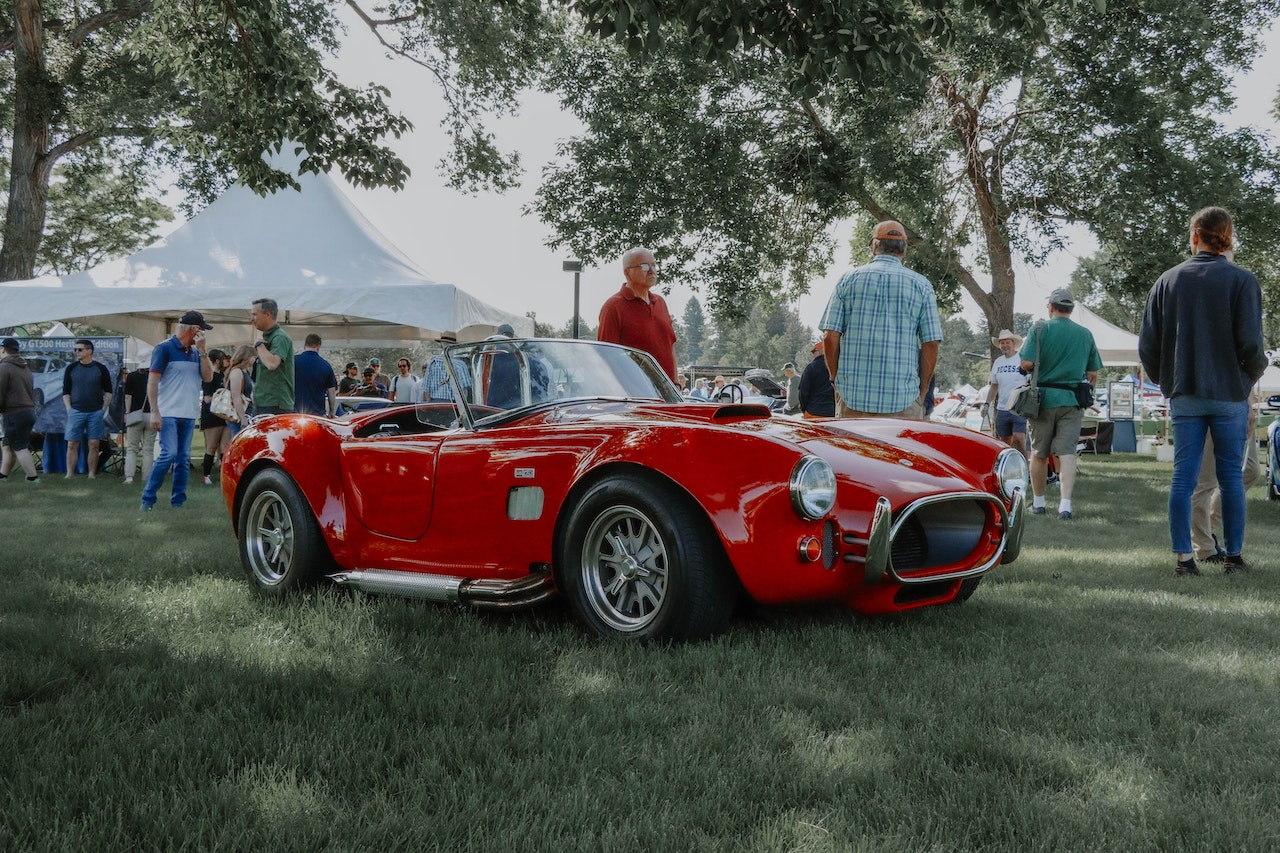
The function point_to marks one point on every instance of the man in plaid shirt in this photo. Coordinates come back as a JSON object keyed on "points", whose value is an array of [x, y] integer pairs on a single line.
{"points": [[882, 332]]}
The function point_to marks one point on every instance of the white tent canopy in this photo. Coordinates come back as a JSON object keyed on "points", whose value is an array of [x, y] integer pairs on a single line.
{"points": [[1116, 346], [329, 269], [1270, 381]]}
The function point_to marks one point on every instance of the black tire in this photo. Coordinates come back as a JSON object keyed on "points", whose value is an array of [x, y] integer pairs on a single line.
{"points": [[281, 548], [641, 561], [967, 589]]}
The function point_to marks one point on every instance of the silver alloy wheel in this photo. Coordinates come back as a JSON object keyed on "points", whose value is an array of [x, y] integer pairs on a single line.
{"points": [[624, 563], [269, 538]]}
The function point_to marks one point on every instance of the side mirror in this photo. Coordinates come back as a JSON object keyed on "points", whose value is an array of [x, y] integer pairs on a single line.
{"points": [[1274, 401]]}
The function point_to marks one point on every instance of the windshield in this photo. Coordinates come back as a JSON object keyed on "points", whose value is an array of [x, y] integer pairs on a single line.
{"points": [[495, 377]]}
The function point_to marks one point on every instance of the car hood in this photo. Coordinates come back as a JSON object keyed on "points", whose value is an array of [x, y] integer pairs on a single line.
{"points": [[899, 455]]}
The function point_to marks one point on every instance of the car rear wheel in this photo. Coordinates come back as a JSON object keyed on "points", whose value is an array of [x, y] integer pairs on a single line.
{"points": [[281, 547], [641, 561]]}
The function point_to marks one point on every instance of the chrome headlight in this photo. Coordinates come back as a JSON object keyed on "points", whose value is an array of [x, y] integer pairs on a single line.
{"points": [[1012, 472], [813, 488]]}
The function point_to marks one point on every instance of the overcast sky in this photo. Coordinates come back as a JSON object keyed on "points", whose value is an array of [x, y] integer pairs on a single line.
{"points": [[485, 245]]}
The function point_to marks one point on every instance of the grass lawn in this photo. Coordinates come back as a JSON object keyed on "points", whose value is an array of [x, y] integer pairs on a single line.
{"points": [[1084, 699]]}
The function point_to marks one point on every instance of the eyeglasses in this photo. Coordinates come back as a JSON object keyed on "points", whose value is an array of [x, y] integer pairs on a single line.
{"points": [[644, 267], [79, 349]]}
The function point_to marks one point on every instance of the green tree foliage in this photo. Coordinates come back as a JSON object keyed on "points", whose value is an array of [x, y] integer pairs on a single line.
{"points": [[689, 346], [204, 89], [822, 40], [964, 355], [769, 337], [735, 178]]}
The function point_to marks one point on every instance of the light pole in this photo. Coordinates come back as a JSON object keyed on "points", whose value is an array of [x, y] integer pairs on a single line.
{"points": [[574, 267]]}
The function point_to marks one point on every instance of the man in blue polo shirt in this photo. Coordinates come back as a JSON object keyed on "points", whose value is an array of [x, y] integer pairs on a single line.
{"points": [[178, 368]]}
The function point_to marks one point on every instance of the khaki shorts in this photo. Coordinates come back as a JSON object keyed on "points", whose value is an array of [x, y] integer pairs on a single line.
{"points": [[1056, 431]]}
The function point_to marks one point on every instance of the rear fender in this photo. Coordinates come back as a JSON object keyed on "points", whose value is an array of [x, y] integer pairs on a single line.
{"points": [[306, 450]]}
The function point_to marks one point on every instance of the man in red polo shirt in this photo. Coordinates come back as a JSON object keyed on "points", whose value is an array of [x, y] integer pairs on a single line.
{"points": [[637, 317]]}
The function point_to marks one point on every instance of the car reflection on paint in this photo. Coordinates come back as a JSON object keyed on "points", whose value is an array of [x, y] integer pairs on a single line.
{"points": [[575, 468]]}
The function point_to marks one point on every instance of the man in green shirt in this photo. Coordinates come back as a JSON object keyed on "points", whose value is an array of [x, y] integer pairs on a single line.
{"points": [[1067, 357], [273, 378]]}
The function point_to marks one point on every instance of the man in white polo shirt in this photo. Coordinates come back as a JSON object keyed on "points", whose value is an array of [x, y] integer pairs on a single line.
{"points": [[178, 368]]}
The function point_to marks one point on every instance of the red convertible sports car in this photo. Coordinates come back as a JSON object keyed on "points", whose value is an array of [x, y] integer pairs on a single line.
{"points": [[576, 468]]}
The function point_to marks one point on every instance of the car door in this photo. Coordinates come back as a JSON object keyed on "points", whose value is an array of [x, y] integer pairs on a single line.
{"points": [[389, 481]]}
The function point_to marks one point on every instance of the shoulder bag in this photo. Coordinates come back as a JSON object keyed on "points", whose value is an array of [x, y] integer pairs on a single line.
{"points": [[1027, 402], [220, 405]]}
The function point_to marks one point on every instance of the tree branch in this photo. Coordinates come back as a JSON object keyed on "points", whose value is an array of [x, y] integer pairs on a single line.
{"points": [[82, 139], [104, 19], [81, 31]]}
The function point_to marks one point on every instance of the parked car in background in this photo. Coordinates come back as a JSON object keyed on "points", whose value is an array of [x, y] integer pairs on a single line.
{"points": [[347, 405], [1273, 450], [612, 490], [46, 377]]}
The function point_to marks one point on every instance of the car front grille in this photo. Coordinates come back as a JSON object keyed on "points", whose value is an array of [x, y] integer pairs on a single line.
{"points": [[938, 537]]}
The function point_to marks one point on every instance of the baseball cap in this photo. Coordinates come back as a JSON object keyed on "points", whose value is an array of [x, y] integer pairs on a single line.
{"points": [[505, 329], [368, 371], [788, 366], [889, 230], [10, 345], [350, 364], [194, 318], [375, 361], [1063, 297]]}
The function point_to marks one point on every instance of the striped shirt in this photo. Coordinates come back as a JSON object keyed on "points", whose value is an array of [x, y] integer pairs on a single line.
{"points": [[883, 312]]}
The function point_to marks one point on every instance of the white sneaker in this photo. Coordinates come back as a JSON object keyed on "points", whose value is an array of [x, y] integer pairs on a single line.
{"points": [[128, 481], [208, 482]]}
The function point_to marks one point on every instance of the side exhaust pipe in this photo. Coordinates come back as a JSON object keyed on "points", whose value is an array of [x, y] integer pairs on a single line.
{"points": [[491, 594]]}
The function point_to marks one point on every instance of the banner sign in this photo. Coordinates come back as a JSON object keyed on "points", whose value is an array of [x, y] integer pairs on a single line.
{"points": [[48, 359]]}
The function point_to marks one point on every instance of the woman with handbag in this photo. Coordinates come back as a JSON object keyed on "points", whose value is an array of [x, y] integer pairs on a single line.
{"points": [[140, 436], [216, 435], [240, 384]]}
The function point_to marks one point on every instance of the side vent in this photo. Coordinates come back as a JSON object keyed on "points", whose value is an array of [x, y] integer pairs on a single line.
{"points": [[524, 503]]}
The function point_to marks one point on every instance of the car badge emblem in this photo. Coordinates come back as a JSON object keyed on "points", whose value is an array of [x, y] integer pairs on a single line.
{"points": [[524, 473]]}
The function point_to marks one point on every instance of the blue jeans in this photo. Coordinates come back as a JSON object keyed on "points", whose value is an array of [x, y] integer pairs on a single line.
{"points": [[1228, 423], [175, 453]]}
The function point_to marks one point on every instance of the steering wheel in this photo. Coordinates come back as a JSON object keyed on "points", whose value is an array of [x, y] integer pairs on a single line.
{"points": [[730, 394]]}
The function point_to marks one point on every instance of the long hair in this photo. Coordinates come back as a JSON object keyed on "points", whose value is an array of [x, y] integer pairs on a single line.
{"points": [[1213, 225], [241, 357]]}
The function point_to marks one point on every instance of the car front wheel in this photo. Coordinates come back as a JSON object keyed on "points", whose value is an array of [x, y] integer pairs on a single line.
{"points": [[641, 561], [281, 547]]}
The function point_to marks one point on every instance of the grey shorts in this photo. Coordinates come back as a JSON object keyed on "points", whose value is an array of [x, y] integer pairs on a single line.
{"points": [[1056, 431]]}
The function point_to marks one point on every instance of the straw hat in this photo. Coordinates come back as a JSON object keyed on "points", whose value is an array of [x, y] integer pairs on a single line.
{"points": [[1006, 335]]}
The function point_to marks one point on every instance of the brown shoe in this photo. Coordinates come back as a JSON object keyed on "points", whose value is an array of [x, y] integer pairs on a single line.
{"points": [[1186, 568], [1232, 564]]}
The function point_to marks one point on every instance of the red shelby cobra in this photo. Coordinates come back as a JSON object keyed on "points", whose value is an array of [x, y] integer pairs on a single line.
{"points": [[575, 467]]}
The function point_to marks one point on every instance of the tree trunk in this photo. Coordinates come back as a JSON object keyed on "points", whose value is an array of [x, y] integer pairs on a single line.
{"points": [[29, 169]]}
